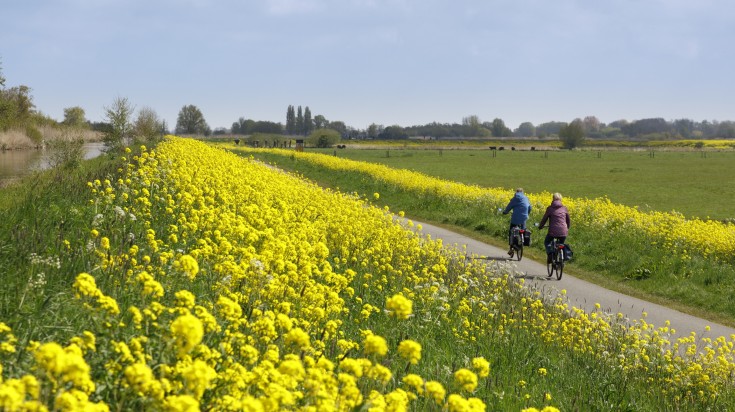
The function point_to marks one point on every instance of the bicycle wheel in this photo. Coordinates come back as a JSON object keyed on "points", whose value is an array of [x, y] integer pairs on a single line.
{"points": [[550, 267], [519, 252], [559, 264]]}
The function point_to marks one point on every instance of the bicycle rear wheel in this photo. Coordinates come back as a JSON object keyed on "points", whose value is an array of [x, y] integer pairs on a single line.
{"points": [[519, 252], [559, 264]]}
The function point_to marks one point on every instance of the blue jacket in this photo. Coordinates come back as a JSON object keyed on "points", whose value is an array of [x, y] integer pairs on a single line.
{"points": [[521, 207]]}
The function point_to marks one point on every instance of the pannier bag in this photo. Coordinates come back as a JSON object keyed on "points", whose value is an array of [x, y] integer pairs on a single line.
{"points": [[527, 238], [568, 253]]}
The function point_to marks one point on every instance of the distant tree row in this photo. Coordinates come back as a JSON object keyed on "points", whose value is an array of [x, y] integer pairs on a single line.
{"points": [[654, 128], [299, 122]]}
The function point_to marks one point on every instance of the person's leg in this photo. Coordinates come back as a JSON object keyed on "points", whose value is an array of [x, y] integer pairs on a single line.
{"points": [[547, 245], [510, 239]]}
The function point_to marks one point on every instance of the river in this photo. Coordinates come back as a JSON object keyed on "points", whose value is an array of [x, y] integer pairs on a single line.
{"points": [[18, 163]]}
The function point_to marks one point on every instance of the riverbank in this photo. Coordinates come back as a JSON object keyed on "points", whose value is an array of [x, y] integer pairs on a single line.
{"points": [[17, 139], [14, 164]]}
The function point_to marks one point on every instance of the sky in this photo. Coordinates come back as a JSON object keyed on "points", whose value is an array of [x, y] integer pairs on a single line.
{"points": [[388, 62]]}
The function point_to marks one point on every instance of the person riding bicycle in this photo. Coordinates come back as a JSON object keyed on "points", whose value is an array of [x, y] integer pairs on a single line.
{"points": [[559, 223], [521, 207]]}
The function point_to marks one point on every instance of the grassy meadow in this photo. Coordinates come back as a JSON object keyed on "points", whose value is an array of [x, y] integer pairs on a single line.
{"points": [[694, 183], [185, 278]]}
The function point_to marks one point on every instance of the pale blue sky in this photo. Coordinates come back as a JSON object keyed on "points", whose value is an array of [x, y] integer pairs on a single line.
{"points": [[389, 62]]}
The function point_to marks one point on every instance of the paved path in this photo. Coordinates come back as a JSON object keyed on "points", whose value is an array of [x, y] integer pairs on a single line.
{"points": [[583, 294]]}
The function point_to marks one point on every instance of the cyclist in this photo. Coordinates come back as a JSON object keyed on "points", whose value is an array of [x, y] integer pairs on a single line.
{"points": [[559, 223], [521, 207]]}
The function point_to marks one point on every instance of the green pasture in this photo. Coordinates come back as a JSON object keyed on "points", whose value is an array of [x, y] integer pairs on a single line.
{"points": [[695, 183]]}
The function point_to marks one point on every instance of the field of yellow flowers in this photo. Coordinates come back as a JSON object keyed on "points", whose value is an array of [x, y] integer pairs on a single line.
{"points": [[218, 283]]}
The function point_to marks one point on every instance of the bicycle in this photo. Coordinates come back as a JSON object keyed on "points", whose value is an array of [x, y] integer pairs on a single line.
{"points": [[558, 252], [516, 238], [557, 259]]}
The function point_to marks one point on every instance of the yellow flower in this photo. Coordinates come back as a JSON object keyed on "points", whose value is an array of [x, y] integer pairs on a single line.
{"points": [[375, 345], [410, 350], [230, 309], [466, 379], [456, 403], [415, 382], [297, 337], [86, 286], [436, 391], [188, 332], [189, 265], [198, 377], [399, 307], [181, 403], [481, 366]]}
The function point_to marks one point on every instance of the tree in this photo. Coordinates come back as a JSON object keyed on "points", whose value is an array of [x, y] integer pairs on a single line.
{"points": [[264, 126], [572, 134], [324, 138], [499, 129], [16, 110], [290, 120], [191, 121], [339, 126], [308, 125], [646, 126], [2, 78], [74, 116], [394, 132], [242, 126], [148, 127], [320, 122], [549, 128], [525, 129], [299, 121], [591, 124], [374, 130], [684, 127], [119, 116]]}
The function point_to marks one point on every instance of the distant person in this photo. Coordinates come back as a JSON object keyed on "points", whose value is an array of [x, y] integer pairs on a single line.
{"points": [[521, 207], [559, 223]]}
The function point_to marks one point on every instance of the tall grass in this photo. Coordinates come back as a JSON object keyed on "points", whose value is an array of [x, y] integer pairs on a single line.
{"points": [[17, 139], [43, 220]]}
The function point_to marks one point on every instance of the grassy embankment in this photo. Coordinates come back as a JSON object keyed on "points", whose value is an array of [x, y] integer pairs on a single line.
{"points": [[639, 256], [218, 283]]}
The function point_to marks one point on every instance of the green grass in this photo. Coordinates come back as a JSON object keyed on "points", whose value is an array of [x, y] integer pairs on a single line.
{"points": [[37, 214], [683, 181]]}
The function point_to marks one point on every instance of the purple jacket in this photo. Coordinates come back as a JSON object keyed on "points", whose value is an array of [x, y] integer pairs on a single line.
{"points": [[558, 217]]}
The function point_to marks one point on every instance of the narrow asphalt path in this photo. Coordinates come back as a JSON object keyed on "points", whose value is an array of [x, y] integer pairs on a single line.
{"points": [[582, 294]]}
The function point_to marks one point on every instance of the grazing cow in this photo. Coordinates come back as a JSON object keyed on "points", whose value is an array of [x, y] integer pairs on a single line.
{"points": [[493, 147], [501, 148], [237, 142]]}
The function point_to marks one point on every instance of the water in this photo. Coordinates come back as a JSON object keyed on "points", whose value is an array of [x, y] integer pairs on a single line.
{"points": [[18, 163]]}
